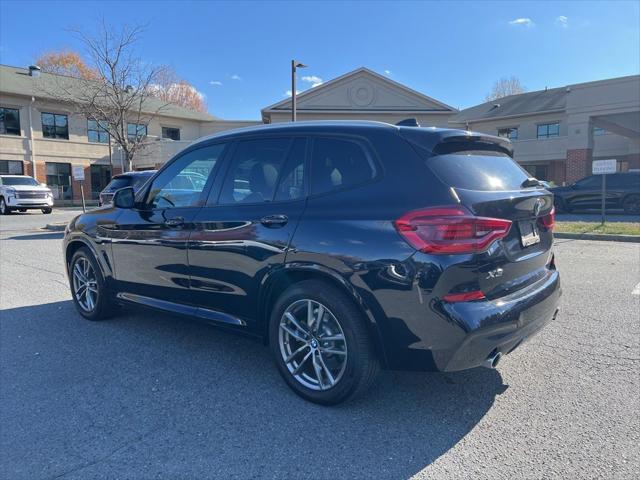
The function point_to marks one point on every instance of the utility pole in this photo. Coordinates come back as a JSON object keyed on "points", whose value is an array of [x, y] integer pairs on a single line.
{"points": [[294, 66]]}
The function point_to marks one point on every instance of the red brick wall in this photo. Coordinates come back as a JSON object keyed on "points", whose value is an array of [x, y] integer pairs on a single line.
{"points": [[633, 160], [557, 172], [578, 164]]}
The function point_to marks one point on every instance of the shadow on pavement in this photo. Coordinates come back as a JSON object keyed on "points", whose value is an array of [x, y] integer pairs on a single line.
{"points": [[39, 236], [148, 395]]}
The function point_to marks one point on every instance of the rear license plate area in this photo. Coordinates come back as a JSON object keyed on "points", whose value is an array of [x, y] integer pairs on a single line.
{"points": [[529, 234]]}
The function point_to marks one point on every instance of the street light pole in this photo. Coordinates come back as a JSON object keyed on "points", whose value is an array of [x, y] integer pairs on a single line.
{"points": [[294, 66]]}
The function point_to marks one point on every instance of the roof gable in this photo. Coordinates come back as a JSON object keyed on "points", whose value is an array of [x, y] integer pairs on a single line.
{"points": [[362, 90]]}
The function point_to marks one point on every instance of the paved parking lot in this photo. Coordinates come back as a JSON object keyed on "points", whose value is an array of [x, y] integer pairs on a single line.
{"points": [[146, 395]]}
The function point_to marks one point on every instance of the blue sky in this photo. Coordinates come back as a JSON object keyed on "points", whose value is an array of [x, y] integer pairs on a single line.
{"points": [[237, 53]]}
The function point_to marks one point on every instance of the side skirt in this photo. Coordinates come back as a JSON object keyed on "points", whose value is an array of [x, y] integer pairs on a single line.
{"points": [[209, 316]]}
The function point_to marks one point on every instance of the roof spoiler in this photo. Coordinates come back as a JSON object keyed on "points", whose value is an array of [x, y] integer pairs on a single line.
{"points": [[408, 122], [443, 141]]}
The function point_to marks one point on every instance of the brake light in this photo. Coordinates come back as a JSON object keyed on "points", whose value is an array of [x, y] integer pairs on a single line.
{"points": [[446, 230], [549, 220], [464, 297]]}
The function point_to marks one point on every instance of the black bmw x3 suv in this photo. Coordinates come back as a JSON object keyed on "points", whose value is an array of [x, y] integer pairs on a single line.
{"points": [[346, 246]]}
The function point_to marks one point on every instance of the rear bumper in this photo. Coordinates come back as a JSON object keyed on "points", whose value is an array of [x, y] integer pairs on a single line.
{"points": [[434, 335], [500, 325]]}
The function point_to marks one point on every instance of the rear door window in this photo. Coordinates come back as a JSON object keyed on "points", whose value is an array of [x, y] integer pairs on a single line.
{"points": [[338, 163], [254, 171], [118, 183], [293, 177], [478, 170]]}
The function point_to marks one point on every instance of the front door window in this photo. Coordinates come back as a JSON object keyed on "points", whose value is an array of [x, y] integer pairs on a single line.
{"points": [[182, 184]]}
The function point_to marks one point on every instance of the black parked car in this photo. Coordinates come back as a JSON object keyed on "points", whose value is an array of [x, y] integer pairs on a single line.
{"points": [[622, 192], [345, 246], [129, 179]]}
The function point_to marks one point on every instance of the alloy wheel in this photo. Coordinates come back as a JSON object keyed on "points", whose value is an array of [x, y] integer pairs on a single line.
{"points": [[85, 284], [312, 344], [3, 207]]}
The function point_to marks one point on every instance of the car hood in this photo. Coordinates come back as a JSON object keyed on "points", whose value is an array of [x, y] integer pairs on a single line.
{"points": [[29, 188]]}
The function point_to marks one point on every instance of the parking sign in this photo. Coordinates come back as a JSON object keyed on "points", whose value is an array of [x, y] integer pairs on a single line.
{"points": [[78, 173], [602, 167]]}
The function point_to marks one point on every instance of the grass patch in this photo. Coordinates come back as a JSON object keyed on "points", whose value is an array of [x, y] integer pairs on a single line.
{"points": [[613, 228]]}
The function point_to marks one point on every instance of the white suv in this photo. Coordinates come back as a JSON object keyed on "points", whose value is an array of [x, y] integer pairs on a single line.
{"points": [[21, 192]]}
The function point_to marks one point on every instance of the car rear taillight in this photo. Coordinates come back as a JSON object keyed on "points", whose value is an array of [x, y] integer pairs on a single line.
{"points": [[445, 230], [464, 297], [549, 220]]}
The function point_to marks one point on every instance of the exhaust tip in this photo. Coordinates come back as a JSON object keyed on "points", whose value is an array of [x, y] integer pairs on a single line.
{"points": [[492, 360], [496, 360]]}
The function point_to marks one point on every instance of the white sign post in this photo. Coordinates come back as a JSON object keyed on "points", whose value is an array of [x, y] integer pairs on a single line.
{"points": [[603, 167], [78, 174]]}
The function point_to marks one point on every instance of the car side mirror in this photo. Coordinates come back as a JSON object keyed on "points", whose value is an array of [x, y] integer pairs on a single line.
{"points": [[124, 198]]}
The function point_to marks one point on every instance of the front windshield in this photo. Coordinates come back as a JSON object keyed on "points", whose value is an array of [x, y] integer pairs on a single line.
{"points": [[20, 181]]}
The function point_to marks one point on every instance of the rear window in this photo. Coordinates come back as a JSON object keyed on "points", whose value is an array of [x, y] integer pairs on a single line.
{"points": [[118, 183], [338, 163], [478, 170], [139, 180]]}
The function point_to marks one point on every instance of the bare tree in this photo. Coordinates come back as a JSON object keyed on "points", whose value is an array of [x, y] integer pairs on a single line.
{"points": [[120, 92], [169, 87], [505, 87]]}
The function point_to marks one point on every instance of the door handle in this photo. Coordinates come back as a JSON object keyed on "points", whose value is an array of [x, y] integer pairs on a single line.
{"points": [[174, 222], [274, 221]]}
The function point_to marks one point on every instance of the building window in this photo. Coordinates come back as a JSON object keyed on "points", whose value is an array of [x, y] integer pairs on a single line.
{"points": [[548, 130], [136, 131], [541, 172], [171, 133], [96, 132], [9, 121], [508, 132], [599, 131], [55, 126], [11, 167], [100, 178], [59, 180]]}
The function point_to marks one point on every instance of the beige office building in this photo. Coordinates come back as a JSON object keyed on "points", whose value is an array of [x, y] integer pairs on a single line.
{"points": [[556, 132]]}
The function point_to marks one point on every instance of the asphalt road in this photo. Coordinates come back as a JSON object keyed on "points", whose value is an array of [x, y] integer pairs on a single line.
{"points": [[146, 395]]}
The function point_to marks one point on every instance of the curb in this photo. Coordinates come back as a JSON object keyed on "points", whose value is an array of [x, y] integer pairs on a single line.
{"points": [[56, 227], [598, 236]]}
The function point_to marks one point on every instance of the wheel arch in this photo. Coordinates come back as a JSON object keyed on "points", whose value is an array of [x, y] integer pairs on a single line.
{"points": [[289, 274], [76, 244]]}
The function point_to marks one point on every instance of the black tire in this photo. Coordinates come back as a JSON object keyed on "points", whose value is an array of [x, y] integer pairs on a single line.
{"points": [[47, 211], [4, 209], [631, 204], [104, 303], [362, 365]]}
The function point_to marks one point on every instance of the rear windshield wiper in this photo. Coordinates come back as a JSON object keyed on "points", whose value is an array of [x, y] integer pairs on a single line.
{"points": [[530, 182]]}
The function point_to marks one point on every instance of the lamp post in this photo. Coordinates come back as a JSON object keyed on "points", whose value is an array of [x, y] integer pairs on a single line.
{"points": [[294, 66]]}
